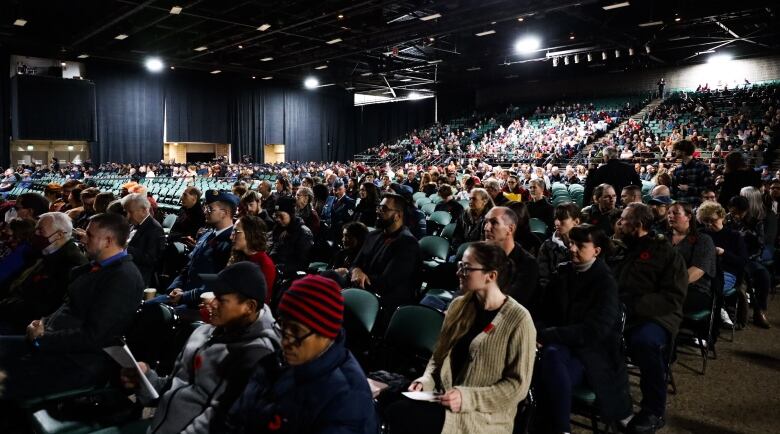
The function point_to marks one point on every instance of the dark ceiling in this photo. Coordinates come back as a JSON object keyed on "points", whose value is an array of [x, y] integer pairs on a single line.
{"points": [[385, 47]]}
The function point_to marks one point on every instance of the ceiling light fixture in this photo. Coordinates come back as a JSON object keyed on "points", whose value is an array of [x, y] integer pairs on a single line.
{"points": [[647, 49], [70, 147], [120, 36], [590, 57], [201, 48], [321, 67], [433, 62], [266, 59], [474, 68], [555, 62], [603, 55], [20, 22], [430, 17], [414, 95], [311, 83], [565, 60], [521, 19], [651, 24], [264, 27], [527, 45], [571, 37], [154, 64], [576, 58], [82, 56], [63, 64], [267, 78], [334, 41], [340, 16], [485, 33], [216, 71], [176, 10], [615, 6], [173, 67], [630, 51], [405, 79], [719, 59], [240, 47], [677, 19], [617, 54], [253, 77]]}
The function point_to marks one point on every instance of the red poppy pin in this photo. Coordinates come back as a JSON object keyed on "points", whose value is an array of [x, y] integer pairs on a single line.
{"points": [[488, 328], [275, 423], [198, 362], [644, 256]]}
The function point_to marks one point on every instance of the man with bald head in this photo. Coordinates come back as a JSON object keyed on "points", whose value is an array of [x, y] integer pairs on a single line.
{"points": [[500, 227]]}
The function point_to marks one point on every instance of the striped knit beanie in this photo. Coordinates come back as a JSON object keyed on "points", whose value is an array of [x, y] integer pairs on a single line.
{"points": [[315, 302]]}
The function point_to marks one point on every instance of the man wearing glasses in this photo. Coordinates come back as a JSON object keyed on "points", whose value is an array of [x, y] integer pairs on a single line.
{"points": [[210, 254], [390, 258]]}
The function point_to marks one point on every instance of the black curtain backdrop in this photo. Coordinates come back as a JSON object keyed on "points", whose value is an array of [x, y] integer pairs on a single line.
{"points": [[51, 108], [196, 107], [383, 123], [5, 108], [130, 106]]}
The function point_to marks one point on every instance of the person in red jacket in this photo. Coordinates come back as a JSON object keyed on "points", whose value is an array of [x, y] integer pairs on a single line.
{"points": [[250, 244]]}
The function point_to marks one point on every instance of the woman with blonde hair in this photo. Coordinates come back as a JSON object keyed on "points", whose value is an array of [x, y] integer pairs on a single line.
{"points": [[483, 360], [471, 224]]}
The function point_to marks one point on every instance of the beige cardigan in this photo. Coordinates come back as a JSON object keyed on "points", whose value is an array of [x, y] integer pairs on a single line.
{"points": [[501, 362]]}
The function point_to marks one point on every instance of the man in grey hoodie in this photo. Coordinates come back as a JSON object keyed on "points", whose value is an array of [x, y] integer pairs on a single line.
{"points": [[218, 358]]}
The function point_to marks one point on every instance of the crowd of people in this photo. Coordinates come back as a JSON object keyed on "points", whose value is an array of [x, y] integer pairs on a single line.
{"points": [[536, 293]]}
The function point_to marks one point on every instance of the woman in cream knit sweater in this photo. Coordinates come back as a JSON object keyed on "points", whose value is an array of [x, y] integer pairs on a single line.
{"points": [[483, 360]]}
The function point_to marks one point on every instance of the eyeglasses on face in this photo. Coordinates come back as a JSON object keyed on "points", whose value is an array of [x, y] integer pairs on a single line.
{"points": [[465, 270], [289, 335], [384, 208]]}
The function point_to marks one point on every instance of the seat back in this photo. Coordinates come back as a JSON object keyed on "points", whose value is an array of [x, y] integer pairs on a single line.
{"points": [[361, 305], [433, 247], [461, 250], [153, 329], [537, 226], [414, 329], [428, 208], [441, 218], [448, 231]]}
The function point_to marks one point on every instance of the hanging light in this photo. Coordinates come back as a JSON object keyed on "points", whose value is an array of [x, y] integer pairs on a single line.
{"points": [[603, 55], [617, 54], [630, 51], [555, 62], [576, 58], [590, 57], [565, 60]]}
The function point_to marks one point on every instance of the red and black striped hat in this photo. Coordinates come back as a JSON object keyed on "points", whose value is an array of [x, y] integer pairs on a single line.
{"points": [[315, 302]]}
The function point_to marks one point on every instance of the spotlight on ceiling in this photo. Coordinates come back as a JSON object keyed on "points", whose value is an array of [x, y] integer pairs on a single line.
{"points": [[176, 10], [603, 55], [555, 62], [264, 27], [83, 56], [576, 58], [647, 49], [154, 64], [565, 60], [311, 83], [630, 51], [527, 45], [590, 57], [719, 59], [617, 54], [20, 22], [414, 95]]}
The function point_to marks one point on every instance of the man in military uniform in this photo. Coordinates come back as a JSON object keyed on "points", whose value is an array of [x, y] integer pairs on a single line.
{"points": [[602, 213], [210, 254], [341, 211], [653, 281]]}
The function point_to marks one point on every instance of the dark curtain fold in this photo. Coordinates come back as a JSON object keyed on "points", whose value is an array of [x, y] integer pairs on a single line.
{"points": [[384, 123], [130, 105], [272, 102], [197, 108], [51, 108], [244, 137], [303, 135], [5, 108]]}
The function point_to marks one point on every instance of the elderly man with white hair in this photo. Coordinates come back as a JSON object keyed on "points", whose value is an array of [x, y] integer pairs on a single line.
{"points": [[147, 238], [40, 289]]}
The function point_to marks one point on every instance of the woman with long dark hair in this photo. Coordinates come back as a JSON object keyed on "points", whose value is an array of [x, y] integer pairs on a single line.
{"points": [[555, 250], [580, 335], [250, 244], [304, 209], [365, 210], [483, 359]]}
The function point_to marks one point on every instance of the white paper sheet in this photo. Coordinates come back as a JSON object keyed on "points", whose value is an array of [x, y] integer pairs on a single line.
{"points": [[124, 357], [422, 396]]}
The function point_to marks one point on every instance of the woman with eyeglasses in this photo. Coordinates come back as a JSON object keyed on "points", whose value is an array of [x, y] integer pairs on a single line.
{"points": [[729, 246], [514, 191], [471, 224], [250, 244], [483, 360], [319, 387], [580, 336]]}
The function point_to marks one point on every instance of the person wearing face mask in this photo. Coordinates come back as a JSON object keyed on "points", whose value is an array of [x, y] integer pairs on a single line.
{"points": [[389, 262], [319, 388], [147, 238], [218, 358], [40, 289], [64, 350], [652, 283], [579, 335]]}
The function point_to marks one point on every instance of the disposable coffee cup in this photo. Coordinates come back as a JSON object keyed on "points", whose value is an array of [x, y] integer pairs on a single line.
{"points": [[149, 293], [207, 297]]}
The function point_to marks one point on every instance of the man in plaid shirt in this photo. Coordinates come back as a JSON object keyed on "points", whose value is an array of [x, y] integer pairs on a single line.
{"points": [[691, 177]]}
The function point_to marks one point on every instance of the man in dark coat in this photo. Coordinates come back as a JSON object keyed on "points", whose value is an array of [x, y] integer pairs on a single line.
{"points": [[147, 238], [653, 282], [390, 259], [210, 254], [65, 349], [340, 211], [41, 288], [500, 227], [602, 212], [614, 172]]}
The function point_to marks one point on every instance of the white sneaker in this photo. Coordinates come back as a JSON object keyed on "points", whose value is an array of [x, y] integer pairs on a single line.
{"points": [[724, 316]]}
